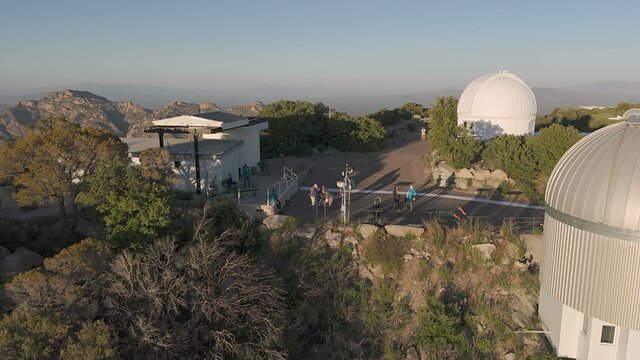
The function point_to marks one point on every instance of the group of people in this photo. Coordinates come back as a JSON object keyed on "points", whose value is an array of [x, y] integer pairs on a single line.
{"points": [[320, 196], [228, 182], [409, 198]]}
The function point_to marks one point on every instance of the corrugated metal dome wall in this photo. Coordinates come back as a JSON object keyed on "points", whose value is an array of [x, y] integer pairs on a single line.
{"points": [[591, 247], [598, 179], [502, 95]]}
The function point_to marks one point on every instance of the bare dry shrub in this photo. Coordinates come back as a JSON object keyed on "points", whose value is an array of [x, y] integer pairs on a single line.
{"points": [[200, 301]]}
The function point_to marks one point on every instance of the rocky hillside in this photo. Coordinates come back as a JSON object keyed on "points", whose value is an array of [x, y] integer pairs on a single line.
{"points": [[124, 118]]}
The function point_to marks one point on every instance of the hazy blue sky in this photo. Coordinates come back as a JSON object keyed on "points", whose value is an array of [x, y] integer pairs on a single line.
{"points": [[364, 45]]}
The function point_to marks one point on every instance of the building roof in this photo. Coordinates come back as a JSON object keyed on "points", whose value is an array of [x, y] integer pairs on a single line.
{"points": [[211, 120], [598, 179], [632, 115], [177, 146], [497, 96]]}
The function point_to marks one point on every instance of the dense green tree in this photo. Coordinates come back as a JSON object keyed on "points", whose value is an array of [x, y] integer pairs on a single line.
{"points": [[512, 154], [391, 117], [446, 137], [368, 134], [550, 144], [54, 161], [133, 208], [415, 109], [291, 124]]}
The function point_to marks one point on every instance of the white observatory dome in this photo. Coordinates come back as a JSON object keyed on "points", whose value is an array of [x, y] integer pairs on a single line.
{"points": [[495, 104], [591, 246]]}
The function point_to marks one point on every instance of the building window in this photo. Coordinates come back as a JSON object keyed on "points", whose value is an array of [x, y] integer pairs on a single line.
{"points": [[585, 324], [608, 333], [176, 164]]}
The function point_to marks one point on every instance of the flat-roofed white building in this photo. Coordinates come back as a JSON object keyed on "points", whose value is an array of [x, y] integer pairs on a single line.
{"points": [[590, 266], [496, 104], [221, 143]]}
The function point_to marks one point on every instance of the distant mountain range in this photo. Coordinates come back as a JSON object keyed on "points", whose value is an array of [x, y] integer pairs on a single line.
{"points": [[124, 118], [126, 109], [351, 101]]}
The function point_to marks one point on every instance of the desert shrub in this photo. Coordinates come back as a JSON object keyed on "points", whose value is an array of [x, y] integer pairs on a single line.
{"points": [[198, 301], [387, 252], [94, 342], [435, 232], [223, 220], [68, 286], [290, 225], [380, 307], [444, 325], [31, 337]]}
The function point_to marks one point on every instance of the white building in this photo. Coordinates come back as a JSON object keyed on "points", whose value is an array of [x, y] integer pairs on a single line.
{"points": [[495, 104], [228, 142], [590, 266]]}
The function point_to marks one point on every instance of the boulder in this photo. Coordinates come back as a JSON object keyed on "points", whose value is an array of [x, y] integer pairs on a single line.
{"points": [[462, 183], [21, 260], [477, 184], [481, 175], [367, 230], [351, 240], [464, 174], [523, 309], [403, 230], [499, 174], [305, 232], [412, 354], [275, 221], [509, 356], [333, 238], [493, 183], [4, 252], [408, 257], [28, 257], [486, 250]]}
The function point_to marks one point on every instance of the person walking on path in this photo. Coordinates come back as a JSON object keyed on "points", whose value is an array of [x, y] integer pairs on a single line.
{"points": [[245, 176], [411, 196], [313, 194], [396, 198]]}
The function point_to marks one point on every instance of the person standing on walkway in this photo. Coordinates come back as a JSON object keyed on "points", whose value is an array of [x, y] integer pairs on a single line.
{"points": [[245, 176], [327, 198], [313, 194], [411, 196], [396, 198]]}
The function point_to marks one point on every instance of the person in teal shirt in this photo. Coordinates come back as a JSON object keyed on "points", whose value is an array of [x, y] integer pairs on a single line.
{"points": [[411, 196]]}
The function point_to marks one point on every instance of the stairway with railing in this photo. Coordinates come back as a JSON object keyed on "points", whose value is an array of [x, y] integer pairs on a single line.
{"points": [[288, 180]]}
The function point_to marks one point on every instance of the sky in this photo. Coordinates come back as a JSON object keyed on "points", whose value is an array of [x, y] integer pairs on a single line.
{"points": [[359, 45]]}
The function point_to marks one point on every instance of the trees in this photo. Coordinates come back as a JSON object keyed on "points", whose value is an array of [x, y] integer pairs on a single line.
{"points": [[415, 109], [446, 137], [512, 154], [551, 143], [134, 208], [297, 126], [391, 117], [54, 161]]}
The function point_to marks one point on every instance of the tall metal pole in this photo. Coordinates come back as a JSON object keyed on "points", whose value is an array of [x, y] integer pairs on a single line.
{"points": [[345, 192], [197, 155]]}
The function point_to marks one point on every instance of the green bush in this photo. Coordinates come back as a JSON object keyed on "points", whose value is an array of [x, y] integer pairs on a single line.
{"points": [[386, 251], [411, 127]]}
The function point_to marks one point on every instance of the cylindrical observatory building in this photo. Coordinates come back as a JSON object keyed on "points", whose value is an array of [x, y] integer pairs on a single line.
{"points": [[590, 266]]}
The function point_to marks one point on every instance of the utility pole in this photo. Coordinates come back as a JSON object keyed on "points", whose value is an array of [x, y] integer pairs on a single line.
{"points": [[345, 193]]}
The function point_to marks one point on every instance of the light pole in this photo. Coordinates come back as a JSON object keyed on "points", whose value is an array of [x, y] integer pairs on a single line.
{"points": [[345, 193]]}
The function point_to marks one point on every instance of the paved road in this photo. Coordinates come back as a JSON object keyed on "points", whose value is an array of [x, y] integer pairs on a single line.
{"points": [[401, 164]]}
